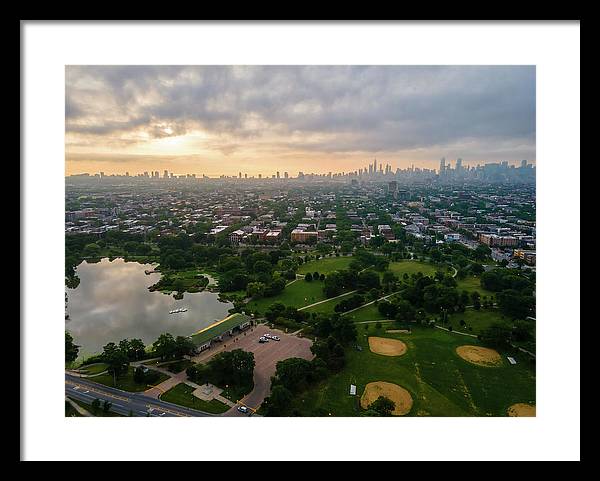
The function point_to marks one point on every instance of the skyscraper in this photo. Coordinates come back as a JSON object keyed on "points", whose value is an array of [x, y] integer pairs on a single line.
{"points": [[524, 164], [442, 165], [458, 165]]}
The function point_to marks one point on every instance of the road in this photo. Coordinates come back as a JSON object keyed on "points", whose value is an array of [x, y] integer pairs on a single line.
{"points": [[124, 402]]}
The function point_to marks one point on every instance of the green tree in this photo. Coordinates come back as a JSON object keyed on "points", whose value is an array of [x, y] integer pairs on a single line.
{"points": [[71, 349], [278, 402], [383, 406], [164, 346], [116, 358]]}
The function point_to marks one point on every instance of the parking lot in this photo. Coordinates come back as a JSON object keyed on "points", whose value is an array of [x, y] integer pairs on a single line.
{"points": [[266, 356]]}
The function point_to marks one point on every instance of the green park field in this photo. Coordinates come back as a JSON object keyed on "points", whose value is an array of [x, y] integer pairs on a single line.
{"points": [[326, 265], [297, 294], [412, 267], [182, 395], [478, 320], [472, 284], [126, 382], [439, 381]]}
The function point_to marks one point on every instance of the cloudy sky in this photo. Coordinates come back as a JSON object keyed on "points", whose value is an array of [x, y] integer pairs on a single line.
{"points": [[222, 120]]}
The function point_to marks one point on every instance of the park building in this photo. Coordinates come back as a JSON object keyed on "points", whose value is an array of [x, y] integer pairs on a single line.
{"points": [[220, 330]]}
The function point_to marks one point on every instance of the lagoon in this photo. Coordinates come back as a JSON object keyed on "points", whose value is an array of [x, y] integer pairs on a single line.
{"points": [[112, 302]]}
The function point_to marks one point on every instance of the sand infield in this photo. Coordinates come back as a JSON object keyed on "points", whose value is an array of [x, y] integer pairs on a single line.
{"points": [[387, 347], [521, 410], [401, 397], [482, 356]]}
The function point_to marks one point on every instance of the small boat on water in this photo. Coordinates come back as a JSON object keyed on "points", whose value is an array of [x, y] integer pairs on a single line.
{"points": [[176, 311]]}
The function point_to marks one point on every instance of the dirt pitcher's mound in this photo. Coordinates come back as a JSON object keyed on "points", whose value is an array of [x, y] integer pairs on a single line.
{"points": [[387, 347], [482, 356], [522, 410], [401, 397]]}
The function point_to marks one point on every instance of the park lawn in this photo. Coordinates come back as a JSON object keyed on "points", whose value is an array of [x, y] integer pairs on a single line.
{"points": [[327, 307], [412, 267], [326, 265], [126, 382], [178, 366], [96, 368], [298, 294], [478, 320], [472, 284], [181, 394], [440, 382], [368, 313]]}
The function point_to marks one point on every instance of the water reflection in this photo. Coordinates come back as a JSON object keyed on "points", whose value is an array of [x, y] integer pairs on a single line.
{"points": [[112, 302]]}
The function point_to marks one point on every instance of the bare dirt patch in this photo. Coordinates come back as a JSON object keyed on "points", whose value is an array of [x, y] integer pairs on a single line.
{"points": [[387, 347], [482, 356], [522, 410], [402, 399]]}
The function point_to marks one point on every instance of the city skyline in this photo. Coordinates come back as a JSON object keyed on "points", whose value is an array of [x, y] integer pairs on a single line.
{"points": [[371, 169], [219, 120]]}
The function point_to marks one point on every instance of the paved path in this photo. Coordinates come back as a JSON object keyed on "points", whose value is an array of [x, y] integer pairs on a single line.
{"points": [[372, 302], [455, 332], [327, 300]]}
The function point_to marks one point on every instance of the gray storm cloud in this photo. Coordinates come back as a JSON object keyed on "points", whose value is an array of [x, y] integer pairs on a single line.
{"points": [[349, 108]]}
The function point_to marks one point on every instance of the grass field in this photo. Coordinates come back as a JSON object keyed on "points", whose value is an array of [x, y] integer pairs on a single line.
{"points": [[440, 382], [326, 265], [327, 307], [477, 320], [126, 382], [472, 284], [182, 395], [298, 294], [412, 267], [95, 368]]}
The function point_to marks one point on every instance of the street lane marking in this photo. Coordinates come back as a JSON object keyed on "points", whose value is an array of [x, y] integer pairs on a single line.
{"points": [[105, 393]]}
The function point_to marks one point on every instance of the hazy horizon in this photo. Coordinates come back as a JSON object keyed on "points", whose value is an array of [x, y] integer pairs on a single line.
{"points": [[214, 120]]}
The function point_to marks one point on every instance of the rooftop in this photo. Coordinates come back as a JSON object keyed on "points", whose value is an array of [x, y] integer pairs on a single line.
{"points": [[218, 328]]}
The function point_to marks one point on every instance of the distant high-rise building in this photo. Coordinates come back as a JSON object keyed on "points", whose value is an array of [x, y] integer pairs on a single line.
{"points": [[442, 165], [458, 165], [278, 174], [126, 174], [285, 175], [260, 176], [165, 174], [245, 176], [375, 166], [524, 164], [239, 175]]}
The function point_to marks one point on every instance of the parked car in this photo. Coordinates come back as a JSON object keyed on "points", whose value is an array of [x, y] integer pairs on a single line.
{"points": [[242, 409], [267, 335], [262, 339], [275, 338]]}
